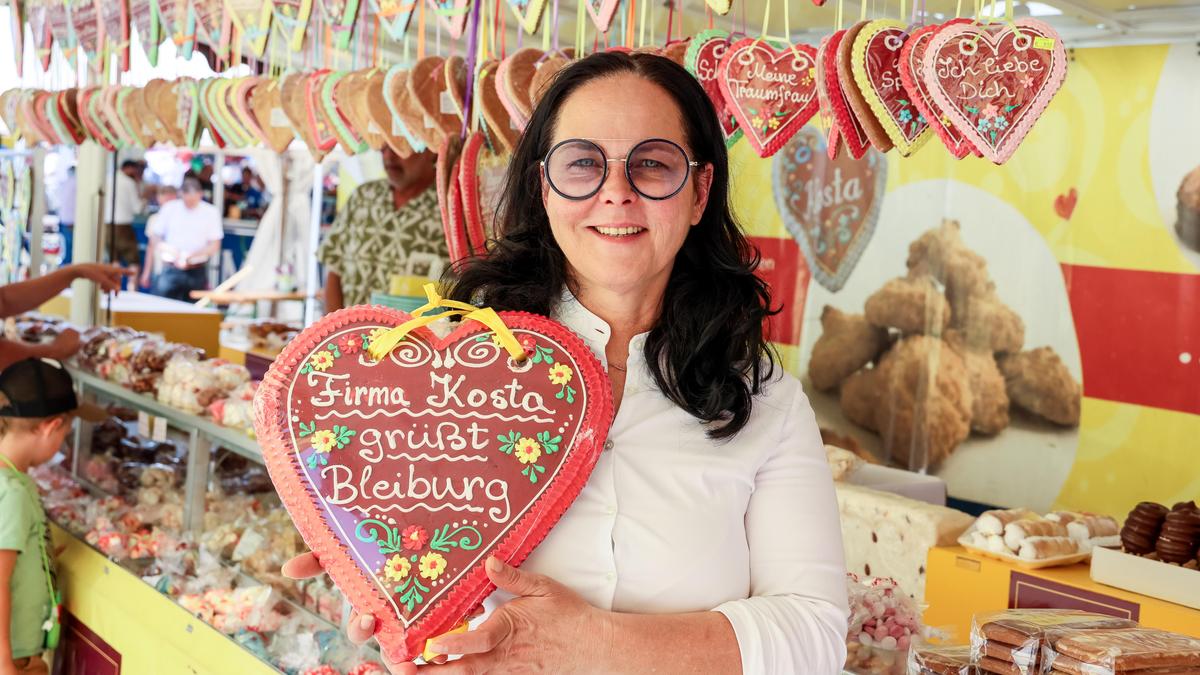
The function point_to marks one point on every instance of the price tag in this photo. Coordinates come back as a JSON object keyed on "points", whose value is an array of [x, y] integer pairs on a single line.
{"points": [[279, 118], [428, 122], [160, 429], [446, 104], [143, 424], [1044, 43]]}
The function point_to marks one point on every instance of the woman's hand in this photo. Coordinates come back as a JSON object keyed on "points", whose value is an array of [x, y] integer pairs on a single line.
{"points": [[107, 277], [547, 628]]}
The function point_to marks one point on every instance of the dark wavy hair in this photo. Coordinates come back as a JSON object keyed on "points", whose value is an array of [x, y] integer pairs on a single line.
{"points": [[707, 351]]}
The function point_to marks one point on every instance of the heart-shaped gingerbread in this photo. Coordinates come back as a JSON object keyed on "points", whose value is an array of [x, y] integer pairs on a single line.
{"points": [[237, 100], [543, 77], [339, 16], [450, 198], [407, 120], [677, 50], [155, 98], [404, 475], [293, 95], [834, 140], [513, 78], [150, 121], [94, 120], [499, 126], [126, 110], [703, 60], [210, 116], [454, 70], [771, 91], [850, 129], [43, 40], [481, 177], [602, 12], [38, 115], [427, 89], [10, 103], [68, 110], [858, 105], [143, 15], [290, 20], [58, 18], [720, 6], [993, 82], [266, 102], [61, 133], [830, 206], [394, 15], [350, 93], [339, 122], [112, 116], [115, 16], [89, 31], [452, 14], [252, 21], [186, 93], [875, 61], [382, 119], [910, 71], [529, 13]]}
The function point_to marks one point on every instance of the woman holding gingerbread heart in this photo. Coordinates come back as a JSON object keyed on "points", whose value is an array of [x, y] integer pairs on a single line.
{"points": [[707, 537]]}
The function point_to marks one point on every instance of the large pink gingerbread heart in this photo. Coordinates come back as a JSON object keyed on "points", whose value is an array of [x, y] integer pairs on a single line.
{"points": [[405, 474], [850, 129], [771, 92], [993, 82], [910, 72], [703, 59]]}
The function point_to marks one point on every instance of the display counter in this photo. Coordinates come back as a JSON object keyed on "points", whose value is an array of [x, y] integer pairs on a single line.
{"points": [[961, 584], [174, 320]]}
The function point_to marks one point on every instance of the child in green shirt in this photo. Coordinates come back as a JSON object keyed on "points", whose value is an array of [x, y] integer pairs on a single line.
{"points": [[37, 406]]}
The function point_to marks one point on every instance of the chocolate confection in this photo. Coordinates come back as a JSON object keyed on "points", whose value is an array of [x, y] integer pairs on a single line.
{"points": [[1180, 536], [1142, 527]]}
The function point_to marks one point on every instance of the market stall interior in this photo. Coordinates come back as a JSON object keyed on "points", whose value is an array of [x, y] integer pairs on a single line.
{"points": [[980, 223]]}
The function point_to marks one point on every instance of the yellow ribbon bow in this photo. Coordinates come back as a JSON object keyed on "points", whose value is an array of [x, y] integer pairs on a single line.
{"points": [[385, 343]]}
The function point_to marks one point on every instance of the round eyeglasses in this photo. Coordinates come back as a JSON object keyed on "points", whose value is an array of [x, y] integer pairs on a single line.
{"points": [[656, 168]]}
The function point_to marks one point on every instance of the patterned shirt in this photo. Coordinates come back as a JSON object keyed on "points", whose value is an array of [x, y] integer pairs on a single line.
{"points": [[371, 239]]}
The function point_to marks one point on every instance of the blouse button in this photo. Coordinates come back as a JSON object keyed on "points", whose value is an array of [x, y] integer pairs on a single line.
{"points": [[608, 445]]}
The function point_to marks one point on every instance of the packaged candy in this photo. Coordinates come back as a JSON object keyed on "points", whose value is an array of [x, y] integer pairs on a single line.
{"points": [[1011, 642]]}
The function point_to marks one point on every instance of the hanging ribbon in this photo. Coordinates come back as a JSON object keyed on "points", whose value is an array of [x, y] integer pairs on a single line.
{"points": [[420, 31], [472, 59], [642, 24], [385, 343], [545, 31]]}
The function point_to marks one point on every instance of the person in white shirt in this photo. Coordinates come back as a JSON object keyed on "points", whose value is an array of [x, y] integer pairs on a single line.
{"points": [[125, 203], [185, 233], [707, 537]]}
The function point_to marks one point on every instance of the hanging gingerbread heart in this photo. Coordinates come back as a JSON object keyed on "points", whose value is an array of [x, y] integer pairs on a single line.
{"points": [[339, 16], [875, 61], [291, 21], [452, 14], [481, 179], [828, 118], [601, 12], [771, 90], [450, 198], [179, 22], [16, 25], [85, 17], [830, 206], [406, 118], [454, 71], [350, 95], [394, 15], [143, 14], [340, 124], [43, 39], [210, 115], [382, 119], [703, 60], [910, 72], [58, 15], [266, 102], [252, 22], [68, 110], [427, 88], [857, 102], [993, 82], [115, 15], [451, 453], [529, 13], [501, 134], [547, 69], [320, 126], [513, 78], [93, 119], [720, 6]]}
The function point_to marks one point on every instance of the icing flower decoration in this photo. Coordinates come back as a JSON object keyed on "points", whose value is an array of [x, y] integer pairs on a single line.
{"points": [[323, 441], [374, 334], [397, 568], [773, 123], [432, 566], [321, 361], [350, 344], [528, 450], [989, 110], [528, 343], [905, 115], [561, 373], [414, 537]]}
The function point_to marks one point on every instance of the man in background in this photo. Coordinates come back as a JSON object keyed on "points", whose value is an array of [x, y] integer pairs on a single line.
{"points": [[382, 224], [125, 203], [165, 195], [185, 234]]}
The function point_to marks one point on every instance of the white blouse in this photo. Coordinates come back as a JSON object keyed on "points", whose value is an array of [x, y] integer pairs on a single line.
{"points": [[672, 522]]}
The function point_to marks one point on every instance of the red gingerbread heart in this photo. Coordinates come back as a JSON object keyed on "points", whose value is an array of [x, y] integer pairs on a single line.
{"points": [[481, 176], [771, 92], [405, 474], [875, 62], [993, 82], [850, 130], [910, 67], [703, 59]]}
